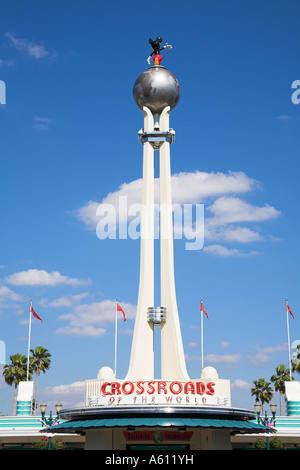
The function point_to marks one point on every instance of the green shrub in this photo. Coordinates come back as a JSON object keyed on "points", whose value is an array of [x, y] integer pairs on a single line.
{"points": [[55, 444], [42, 444], [58, 445], [276, 443], [260, 444]]}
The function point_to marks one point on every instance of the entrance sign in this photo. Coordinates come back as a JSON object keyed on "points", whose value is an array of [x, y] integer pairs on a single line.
{"points": [[157, 392]]}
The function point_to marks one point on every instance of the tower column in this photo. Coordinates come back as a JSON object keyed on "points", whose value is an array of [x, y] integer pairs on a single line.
{"points": [[156, 91], [141, 365], [172, 353]]}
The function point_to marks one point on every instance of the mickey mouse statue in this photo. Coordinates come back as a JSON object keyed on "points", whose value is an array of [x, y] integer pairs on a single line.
{"points": [[155, 45]]}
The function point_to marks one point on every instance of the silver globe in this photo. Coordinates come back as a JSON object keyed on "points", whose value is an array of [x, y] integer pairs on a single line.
{"points": [[156, 88]]}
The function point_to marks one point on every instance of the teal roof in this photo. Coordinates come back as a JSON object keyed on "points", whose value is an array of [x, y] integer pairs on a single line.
{"points": [[77, 425]]}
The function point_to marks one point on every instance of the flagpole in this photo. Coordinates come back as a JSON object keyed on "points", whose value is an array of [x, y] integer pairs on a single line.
{"points": [[29, 334], [116, 341], [288, 335], [201, 338]]}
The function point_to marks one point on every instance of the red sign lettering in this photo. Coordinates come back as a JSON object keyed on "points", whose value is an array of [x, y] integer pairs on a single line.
{"points": [[159, 387], [172, 390], [127, 392], [151, 389], [140, 388]]}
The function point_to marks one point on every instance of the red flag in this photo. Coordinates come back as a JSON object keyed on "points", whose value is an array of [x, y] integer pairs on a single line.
{"points": [[35, 314], [202, 309], [121, 310], [288, 308]]}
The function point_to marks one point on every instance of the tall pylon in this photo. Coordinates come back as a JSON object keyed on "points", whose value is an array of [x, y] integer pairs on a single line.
{"points": [[157, 136]]}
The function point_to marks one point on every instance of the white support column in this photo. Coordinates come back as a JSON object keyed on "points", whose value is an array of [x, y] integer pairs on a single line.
{"points": [[141, 365], [173, 365]]}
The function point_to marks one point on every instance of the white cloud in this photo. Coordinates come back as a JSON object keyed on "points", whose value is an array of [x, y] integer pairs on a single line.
{"points": [[223, 358], [10, 300], [192, 358], [232, 234], [69, 395], [264, 354], [225, 252], [41, 123], [39, 277], [127, 331], [217, 358], [68, 389], [4, 63], [196, 187], [37, 51], [66, 301], [284, 117], [240, 384], [85, 330], [87, 214], [228, 210], [223, 208], [8, 294], [89, 319], [187, 188]]}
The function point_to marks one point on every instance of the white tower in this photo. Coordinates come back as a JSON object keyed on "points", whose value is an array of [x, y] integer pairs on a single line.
{"points": [[157, 91]]}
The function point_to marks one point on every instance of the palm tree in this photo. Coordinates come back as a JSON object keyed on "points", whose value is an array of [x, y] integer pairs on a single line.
{"points": [[40, 361], [16, 372], [283, 375], [262, 392]]}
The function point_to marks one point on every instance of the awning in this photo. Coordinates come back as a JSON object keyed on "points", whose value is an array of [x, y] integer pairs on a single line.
{"points": [[84, 425]]}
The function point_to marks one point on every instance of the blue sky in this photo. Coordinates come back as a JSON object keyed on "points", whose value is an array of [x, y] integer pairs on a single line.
{"points": [[69, 142]]}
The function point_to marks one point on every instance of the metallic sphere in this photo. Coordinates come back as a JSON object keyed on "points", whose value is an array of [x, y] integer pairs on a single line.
{"points": [[156, 88]]}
